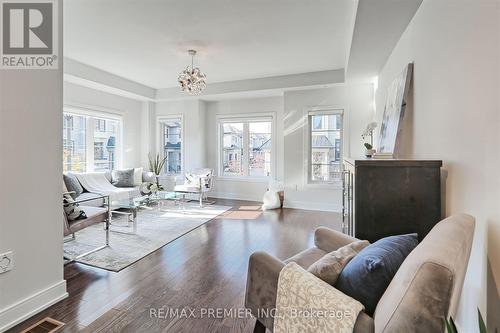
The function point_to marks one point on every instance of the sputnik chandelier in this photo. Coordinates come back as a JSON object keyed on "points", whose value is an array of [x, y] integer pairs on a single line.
{"points": [[192, 80]]}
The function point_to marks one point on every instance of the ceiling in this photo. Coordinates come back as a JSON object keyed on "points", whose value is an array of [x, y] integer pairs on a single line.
{"points": [[147, 40]]}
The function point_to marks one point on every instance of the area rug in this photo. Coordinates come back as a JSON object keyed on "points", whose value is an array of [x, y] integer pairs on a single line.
{"points": [[155, 228]]}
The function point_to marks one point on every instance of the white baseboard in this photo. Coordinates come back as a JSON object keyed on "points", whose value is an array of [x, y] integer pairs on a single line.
{"points": [[308, 205], [26, 308], [234, 196]]}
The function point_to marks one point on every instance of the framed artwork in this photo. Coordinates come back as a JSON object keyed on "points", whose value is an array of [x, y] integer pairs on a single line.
{"points": [[394, 111]]}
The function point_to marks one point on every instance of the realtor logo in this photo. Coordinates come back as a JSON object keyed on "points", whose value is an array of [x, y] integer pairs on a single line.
{"points": [[29, 34]]}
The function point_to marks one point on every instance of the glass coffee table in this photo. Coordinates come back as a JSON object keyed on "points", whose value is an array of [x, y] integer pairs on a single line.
{"points": [[130, 207]]}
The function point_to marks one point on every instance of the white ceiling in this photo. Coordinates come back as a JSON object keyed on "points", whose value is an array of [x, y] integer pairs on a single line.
{"points": [[146, 40]]}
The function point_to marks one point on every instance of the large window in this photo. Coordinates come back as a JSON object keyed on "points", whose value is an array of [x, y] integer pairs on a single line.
{"points": [[246, 147], [90, 143], [325, 146], [172, 144]]}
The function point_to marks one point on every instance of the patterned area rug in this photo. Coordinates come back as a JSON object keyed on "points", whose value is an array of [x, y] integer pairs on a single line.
{"points": [[155, 228]]}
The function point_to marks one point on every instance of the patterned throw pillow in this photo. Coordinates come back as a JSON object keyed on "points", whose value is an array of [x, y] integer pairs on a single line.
{"points": [[328, 267], [123, 178], [72, 210]]}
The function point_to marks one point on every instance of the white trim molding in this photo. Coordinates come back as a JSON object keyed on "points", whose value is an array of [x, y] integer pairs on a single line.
{"points": [[308, 205], [26, 308]]}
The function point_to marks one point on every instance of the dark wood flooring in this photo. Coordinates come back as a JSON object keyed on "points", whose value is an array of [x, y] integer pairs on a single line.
{"points": [[204, 269]]}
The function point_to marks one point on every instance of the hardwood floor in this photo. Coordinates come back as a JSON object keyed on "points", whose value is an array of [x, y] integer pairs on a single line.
{"points": [[204, 269]]}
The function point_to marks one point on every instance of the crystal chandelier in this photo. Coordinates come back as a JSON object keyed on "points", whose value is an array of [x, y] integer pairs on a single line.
{"points": [[192, 79]]}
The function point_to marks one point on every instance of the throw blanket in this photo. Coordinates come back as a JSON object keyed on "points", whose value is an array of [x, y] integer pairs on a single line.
{"points": [[307, 304], [97, 182]]}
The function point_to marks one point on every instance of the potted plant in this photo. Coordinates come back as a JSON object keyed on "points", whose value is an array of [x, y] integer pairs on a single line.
{"points": [[452, 328], [156, 164], [369, 150]]}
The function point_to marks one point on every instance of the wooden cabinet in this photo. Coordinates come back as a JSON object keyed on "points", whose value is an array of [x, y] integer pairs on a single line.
{"points": [[390, 197]]}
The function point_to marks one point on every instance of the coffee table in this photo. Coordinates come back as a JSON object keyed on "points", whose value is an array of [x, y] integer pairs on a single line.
{"points": [[130, 207]]}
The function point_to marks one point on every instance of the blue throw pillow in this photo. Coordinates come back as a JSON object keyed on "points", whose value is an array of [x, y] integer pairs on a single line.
{"points": [[367, 276]]}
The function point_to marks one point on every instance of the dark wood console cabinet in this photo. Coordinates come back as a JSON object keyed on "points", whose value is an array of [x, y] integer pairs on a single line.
{"points": [[390, 197]]}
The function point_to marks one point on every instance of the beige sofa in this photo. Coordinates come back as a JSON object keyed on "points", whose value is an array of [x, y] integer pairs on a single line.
{"points": [[424, 291]]}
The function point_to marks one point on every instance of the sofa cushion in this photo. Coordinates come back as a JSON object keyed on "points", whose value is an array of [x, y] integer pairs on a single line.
{"points": [[123, 178], [97, 202], [138, 176], [368, 274], [72, 184], [328, 267]]}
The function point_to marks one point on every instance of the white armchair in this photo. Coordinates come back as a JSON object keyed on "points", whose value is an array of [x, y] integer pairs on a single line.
{"points": [[198, 181]]}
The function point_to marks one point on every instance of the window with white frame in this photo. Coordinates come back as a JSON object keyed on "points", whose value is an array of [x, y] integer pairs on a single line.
{"points": [[325, 146], [90, 143], [171, 141], [246, 148]]}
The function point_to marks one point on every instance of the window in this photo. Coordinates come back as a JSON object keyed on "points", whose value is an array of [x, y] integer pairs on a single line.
{"points": [[74, 143], [172, 144], [90, 143], [246, 147], [325, 146], [105, 144], [232, 146]]}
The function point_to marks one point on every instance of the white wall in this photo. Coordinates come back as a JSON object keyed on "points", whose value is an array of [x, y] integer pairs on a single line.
{"points": [[30, 179], [290, 115], [454, 116], [131, 111], [357, 103], [242, 189]]}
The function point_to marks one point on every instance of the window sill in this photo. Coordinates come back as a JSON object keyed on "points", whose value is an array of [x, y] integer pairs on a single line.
{"points": [[243, 179]]}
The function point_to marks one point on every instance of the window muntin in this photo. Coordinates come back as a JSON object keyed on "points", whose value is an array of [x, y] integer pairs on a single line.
{"points": [[246, 147], [90, 143], [172, 145], [325, 146]]}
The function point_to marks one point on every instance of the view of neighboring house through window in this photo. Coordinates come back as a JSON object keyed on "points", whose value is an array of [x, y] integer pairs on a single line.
{"points": [[90, 143], [232, 149], [260, 148], [74, 143], [246, 147], [172, 145], [325, 146], [105, 134]]}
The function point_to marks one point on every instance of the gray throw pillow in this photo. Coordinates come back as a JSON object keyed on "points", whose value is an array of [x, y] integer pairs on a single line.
{"points": [[328, 267], [72, 185], [123, 178]]}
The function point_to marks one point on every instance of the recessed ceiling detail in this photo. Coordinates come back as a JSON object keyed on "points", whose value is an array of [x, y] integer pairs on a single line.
{"points": [[146, 41]]}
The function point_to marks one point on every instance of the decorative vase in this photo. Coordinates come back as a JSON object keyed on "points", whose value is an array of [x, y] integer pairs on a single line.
{"points": [[369, 152]]}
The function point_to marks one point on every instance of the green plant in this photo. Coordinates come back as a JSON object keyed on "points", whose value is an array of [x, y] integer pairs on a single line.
{"points": [[452, 328], [368, 146], [156, 163]]}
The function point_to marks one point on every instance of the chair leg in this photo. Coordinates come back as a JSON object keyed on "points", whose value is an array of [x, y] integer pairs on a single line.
{"points": [[259, 327], [108, 220]]}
